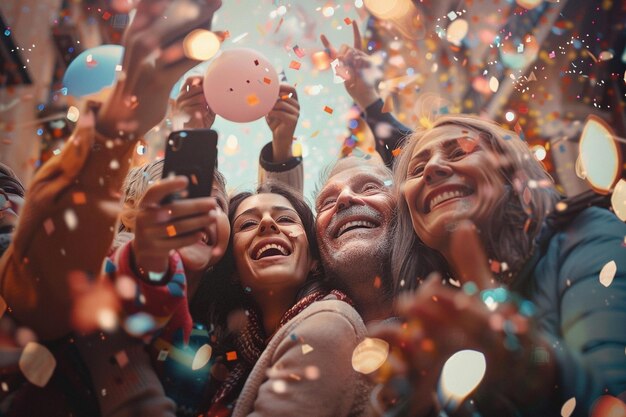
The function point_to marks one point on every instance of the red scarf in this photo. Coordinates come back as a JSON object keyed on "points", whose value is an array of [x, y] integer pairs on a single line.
{"points": [[250, 343]]}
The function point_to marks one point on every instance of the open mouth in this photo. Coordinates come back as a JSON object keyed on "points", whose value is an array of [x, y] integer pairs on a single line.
{"points": [[271, 249], [437, 198], [355, 224]]}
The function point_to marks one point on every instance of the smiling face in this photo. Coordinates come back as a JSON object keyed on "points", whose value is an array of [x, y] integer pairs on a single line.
{"points": [[452, 175], [354, 213], [270, 245]]}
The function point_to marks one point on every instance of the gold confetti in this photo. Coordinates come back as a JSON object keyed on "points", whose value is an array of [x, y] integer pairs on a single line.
{"points": [[79, 198], [608, 273], [306, 348], [202, 357], [568, 407], [170, 230], [37, 364], [369, 355]]}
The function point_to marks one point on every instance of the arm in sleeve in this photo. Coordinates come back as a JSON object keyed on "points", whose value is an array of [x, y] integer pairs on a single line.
{"points": [[384, 123], [165, 300], [125, 382], [66, 225], [290, 173], [311, 372], [589, 351]]}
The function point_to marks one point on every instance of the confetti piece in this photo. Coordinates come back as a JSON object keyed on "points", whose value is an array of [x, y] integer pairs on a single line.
{"points": [[312, 372], [306, 348], [37, 364], [461, 373], [73, 114], [48, 226], [298, 51], [568, 407], [202, 357], [267, 80], [608, 273], [618, 200], [396, 152], [321, 60], [369, 355], [295, 65], [328, 110], [377, 282], [114, 165], [71, 220], [252, 100], [139, 324], [494, 84], [121, 358], [79, 198], [170, 230], [279, 387], [457, 31], [163, 355], [240, 37], [231, 356], [314, 134], [347, 21]]}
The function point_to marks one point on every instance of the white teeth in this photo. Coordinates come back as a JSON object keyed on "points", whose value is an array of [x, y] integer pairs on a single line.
{"points": [[281, 248], [446, 195], [364, 223]]}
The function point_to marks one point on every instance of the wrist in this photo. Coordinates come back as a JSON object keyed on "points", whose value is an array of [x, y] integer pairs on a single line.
{"points": [[366, 99], [281, 152]]}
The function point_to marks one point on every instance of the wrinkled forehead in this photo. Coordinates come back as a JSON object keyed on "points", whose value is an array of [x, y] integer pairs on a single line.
{"points": [[353, 170]]}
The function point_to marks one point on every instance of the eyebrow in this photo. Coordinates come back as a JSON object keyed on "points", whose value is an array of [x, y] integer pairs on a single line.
{"points": [[450, 143], [273, 208]]}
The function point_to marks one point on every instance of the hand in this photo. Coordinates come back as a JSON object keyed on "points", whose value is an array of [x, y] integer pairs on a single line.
{"points": [[440, 321], [162, 228], [153, 61], [191, 101], [282, 121], [353, 61]]}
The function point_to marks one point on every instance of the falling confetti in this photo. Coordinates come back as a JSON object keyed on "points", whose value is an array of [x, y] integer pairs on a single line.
{"points": [[618, 200], [37, 364], [73, 114], [71, 220], [461, 374], [608, 273], [328, 110], [568, 407], [279, 387], [231, 356], [369, 355], [295, 65], [494, 84], [202, 357], [306, 348]]}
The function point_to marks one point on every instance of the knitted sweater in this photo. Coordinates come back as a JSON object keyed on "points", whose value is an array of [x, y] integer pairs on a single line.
{"points": [[306, 369]]}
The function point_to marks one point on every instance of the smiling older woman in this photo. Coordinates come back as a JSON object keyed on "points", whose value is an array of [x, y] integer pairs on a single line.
{"points": [[467, 169]]}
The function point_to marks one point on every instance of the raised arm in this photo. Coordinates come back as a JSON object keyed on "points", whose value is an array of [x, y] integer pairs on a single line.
{"points": [[67, 221]]}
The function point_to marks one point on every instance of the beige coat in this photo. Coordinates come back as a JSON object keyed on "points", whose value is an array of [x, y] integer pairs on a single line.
{"points": [[306, 369]]}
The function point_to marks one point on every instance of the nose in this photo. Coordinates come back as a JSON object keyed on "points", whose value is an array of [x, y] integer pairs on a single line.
{"points": [[348, 198], [268, 226], [436, 169]]}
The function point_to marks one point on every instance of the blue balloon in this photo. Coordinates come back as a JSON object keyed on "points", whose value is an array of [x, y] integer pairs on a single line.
{"points": [[92, 70]]}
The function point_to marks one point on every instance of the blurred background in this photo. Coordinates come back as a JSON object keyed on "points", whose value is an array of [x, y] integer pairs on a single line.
{"points": [[539, 67]]}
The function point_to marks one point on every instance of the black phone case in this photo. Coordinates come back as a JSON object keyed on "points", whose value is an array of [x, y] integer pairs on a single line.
{"points": [[192, 153]]}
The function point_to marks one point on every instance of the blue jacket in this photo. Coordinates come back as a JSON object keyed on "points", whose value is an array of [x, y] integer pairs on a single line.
{"points": [[584, 319]]}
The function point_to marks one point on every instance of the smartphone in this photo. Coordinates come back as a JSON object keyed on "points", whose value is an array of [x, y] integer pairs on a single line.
{"points": [[192, 153]]}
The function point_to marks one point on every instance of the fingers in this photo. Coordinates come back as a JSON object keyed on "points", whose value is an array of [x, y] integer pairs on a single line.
{"points": [[330, 50], [469, 260], [158, 191], [358, 44], [287, 91], [286, 106]]}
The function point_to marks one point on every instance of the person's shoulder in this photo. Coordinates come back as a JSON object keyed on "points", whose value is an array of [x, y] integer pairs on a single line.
{"points": [[591, 224], [327, 318]]}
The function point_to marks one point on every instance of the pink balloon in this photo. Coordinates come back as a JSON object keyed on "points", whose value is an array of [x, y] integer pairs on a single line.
{"points": [[241, 85]]}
